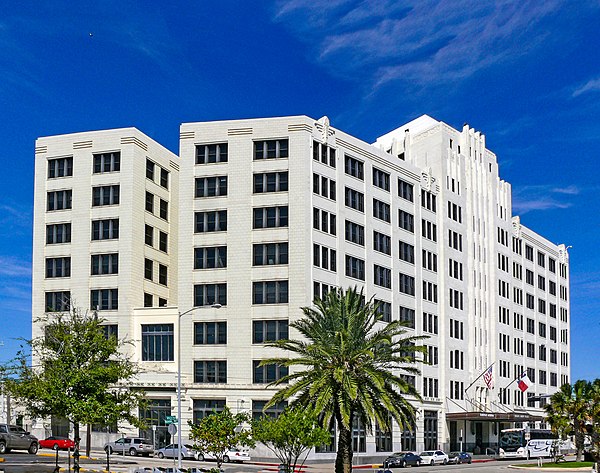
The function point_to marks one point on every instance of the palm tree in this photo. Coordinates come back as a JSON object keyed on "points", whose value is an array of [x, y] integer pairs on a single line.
{"points": [[346, 367], [568, 411]]}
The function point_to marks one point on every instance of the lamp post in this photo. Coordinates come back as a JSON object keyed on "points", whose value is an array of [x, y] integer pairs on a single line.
{"points": [[179, 315]]}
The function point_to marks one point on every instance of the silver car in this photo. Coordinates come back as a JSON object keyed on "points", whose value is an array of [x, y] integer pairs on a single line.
{"points": [[133, 446], [171, 451]]}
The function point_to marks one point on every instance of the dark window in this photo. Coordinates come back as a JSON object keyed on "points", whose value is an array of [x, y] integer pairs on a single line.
{"points": [[60, 167], [384, 310], [209, 371], [258, 409], [107, 162], [150, 202], [264, 254], [270, 217], [150, 169], [148, 299], [105, 195], [382, 276], [381, 210], [58, 267], [210, 257], [104, 299], [270, 182], [406, 221], [205, 407], [210, 294], [269, 330], [58, 233], [407, 284], [270, 292], [211, 221], [162, 274], [214, 153], [405, 190], [164, 209], [271, 149], [355, 267], [148, 269], [382, 243], [355, 233], [149, 235], [59, 200], [213, 186], [157, 342], [210, 333], [58, 301], [164, 178], [163, 239], [268, 373], [381, 179], [355, 168], [407, 252], [105, 264], [105, 229]]}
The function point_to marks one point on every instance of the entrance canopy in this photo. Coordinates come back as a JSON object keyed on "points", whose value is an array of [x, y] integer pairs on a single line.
{"points": [[494, 416]]}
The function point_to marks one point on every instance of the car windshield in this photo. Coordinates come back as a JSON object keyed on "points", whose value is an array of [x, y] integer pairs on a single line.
{"points": [[426, 454], [17, 430]]}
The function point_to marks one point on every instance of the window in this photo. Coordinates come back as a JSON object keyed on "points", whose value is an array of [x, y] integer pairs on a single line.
{"points": [[271, 149], [58, 233], [150, 169], [541, 259], [431, 355], [407, 252], [381, 179], [58, 267], [529, 252], [267, 373], [269, 330], [381, 210], [530, 301], [264, 254], [105, 229], [149, 202], [382, 243], [406, 221], [111, 330], [551, 265], [355, 168], [157, 342], [58, 301], [324, 186], [205, 407], [107, 162], [530, 326], [457, 329], [148, 299], [105, 264], [529, 277], [270, 217], [213, 186], [148, 269], [213, 153], [324, 221], [430, 291], [323, 153], [59, 200], [429, 260], [382, 276], [270, 292], [455, 269], [542, 329], [60, 167], [354, 199], [270, 182], [210, 257], [209, 371], [149, 235], [454, 212], [428, 230], [210, 333], [164, 209], [355, 233], [430, 323], [104, 299], [162, 274], [383, 439], [163, 239], [355, 268], [383, 310], [455, 240], [407, 284], [407, 316], [210, 221], [428, 200], [210, 294], [430, 387], [324, 257], [105, 195], [164, 178], [405, 190]]}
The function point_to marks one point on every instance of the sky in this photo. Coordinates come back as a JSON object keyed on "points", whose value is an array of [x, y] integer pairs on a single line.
{"points": [[524, 73]]}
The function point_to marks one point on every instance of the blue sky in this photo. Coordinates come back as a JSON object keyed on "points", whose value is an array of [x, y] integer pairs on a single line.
{"points": [[527, 74]]}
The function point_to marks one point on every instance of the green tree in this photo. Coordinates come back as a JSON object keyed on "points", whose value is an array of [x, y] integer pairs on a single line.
{"points": [[568, 411], [291, 434], [79, 373], [348, 367], [220, 431], [593, 427]]}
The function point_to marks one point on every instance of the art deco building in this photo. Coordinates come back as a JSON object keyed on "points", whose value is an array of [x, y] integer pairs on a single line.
{"points": [[257, 217]]}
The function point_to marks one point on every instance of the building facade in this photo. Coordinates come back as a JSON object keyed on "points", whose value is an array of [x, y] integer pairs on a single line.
{"points": [[257, 217]]}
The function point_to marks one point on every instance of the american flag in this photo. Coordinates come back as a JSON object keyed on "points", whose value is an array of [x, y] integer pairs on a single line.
{"points": [[488, 378]]}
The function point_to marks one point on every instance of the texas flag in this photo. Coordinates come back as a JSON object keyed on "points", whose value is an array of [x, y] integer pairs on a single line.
{"points": [[523, 383]]}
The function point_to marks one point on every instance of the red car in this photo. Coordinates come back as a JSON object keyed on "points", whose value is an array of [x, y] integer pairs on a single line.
{"points": [[57, 443]]}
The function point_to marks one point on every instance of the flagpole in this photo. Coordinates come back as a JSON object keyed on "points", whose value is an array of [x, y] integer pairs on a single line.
{"points": [[512, 382], [482, 373]]}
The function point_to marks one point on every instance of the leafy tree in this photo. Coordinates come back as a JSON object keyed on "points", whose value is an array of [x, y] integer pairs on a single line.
{"points": [[568, 411], [347, 365], [220, 431], [78, 373], [593, 426], [294, 432]]}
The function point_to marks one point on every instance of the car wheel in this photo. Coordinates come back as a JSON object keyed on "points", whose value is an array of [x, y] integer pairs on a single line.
{"points": [[133, 452], [432, 463], [161, 455], [445, 461], [402, 464], [469, 462], [33, 448], [3, 447], [55, 446], [200, 457], [226, 459], [418, 462]]}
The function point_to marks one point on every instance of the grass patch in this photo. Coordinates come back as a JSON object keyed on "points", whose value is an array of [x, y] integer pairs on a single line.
{"points": [[566, 464]]}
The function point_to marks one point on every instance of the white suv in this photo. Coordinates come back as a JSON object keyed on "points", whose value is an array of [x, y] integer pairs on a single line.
{"points": [[132, 445], [431, 457]]}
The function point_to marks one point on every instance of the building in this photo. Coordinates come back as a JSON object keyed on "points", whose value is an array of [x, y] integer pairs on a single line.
{"points": [[256, 217]]}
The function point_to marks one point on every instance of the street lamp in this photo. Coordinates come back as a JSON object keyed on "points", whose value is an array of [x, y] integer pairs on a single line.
{"points": [[179, 315]]}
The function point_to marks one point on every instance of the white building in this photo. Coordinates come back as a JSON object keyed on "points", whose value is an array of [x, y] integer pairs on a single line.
{"points": [[256, 217]]}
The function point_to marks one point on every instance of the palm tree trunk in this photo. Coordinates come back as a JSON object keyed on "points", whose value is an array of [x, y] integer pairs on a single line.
{"points": [[579, 439], [343, 460]]}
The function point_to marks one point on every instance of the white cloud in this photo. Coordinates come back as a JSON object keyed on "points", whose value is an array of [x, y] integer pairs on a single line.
{"points": [[14, 268], [532, 198], [590, 86]]}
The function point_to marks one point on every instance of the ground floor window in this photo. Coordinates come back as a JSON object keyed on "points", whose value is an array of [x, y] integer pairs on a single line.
{"points": [[383, 439], [409, 438], [331, 447], [430, 430], [359, 436], [204, 407], [155, 414]]}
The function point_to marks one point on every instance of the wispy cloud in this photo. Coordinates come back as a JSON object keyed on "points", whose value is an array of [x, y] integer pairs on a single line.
{"points": [[590, 86], [14, 267], [417, 42], [533, 198]]}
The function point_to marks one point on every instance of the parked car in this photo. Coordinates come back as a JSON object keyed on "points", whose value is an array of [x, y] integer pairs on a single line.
{"points": [[13, 437], [132, 445], [459, 457], [431, 457], [171, 451], [57, 443], [232, 455], [401, 459]]}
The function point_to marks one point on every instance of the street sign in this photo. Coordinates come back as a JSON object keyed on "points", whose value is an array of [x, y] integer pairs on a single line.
{"points": [[170, 420], [172, 429]]}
